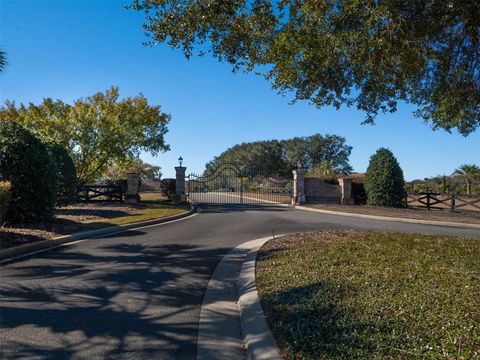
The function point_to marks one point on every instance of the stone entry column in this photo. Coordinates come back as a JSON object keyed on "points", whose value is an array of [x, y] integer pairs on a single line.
{"points": [[180, 183], [298, 187], [346, 187], [133, 184]]}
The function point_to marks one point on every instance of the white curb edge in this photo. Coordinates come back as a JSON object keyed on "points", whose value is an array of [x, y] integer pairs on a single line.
{"points": [[259, 341]]}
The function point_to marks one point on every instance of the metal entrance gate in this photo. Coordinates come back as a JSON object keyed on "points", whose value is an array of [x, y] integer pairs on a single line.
{"points": [[228, 184]]}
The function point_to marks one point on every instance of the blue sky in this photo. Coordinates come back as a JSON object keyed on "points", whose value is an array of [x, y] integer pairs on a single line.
{"points": [[71, 49]]}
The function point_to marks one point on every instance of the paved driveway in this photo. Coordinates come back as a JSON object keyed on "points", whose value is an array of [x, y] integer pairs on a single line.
{"points": [[137, 295]]}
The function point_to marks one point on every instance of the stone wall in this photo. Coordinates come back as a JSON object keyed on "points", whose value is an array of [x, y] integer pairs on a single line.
{"points": [[319, 191]]}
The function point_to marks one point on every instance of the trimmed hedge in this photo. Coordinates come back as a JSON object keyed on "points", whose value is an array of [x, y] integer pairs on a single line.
{"points": [[384, 182], [5, 196], [66, 173], [26, 163]]}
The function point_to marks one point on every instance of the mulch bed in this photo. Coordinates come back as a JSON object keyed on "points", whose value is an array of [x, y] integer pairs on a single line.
{"points": [[68, 219], [411, 213]]}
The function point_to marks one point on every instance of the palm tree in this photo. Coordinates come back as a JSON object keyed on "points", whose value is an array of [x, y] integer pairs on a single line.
{"points": [[3, 61], [469, 173], [326, 167]]}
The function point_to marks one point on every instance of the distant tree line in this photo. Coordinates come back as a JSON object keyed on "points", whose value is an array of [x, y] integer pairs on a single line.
{"points": [[464, 180], [328, 153]]}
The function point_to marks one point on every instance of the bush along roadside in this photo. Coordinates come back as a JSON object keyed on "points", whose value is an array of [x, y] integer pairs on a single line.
{"points": [[5, 195], [66, 173], [26, 163], [384, 182]]}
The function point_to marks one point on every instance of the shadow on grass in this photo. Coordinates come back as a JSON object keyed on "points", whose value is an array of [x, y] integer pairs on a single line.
{"points": [[309, 321], [123, 301]]}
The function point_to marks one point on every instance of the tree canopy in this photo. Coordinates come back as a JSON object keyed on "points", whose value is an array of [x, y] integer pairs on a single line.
{"points": [[280, 157], [470, 173], [119, 170], [98, 130], [369, 54], [3, 61]]}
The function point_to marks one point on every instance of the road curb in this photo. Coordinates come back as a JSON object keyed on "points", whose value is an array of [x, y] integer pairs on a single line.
{"points": [[259, 341], [10, 254], [389, 218], [232, 324]]}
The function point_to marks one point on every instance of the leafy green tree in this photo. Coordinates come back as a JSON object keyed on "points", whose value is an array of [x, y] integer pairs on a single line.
{"points": [[118, 171], [98, 130], [3, 61], [279, 158], [369, 54], [469, 173], [328, 149], [25, 162], [268, 154], [384, 182], [295, 152]]}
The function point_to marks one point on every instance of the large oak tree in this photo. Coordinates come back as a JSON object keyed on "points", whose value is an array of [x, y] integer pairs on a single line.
{"points": [[280, 157], [370, 54]]}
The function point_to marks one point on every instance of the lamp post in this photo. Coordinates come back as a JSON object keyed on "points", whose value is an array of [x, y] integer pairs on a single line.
{"points": [[180, 181]]}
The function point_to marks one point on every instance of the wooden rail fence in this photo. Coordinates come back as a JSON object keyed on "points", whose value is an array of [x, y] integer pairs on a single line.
{"points": [[100, 193], [439, 201]]}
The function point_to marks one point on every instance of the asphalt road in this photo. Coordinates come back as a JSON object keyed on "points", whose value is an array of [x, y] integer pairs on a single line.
{"points": [[137, 295]]}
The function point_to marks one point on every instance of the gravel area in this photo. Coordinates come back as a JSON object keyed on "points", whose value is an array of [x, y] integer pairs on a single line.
{"points": [[67, 220], [472, 217]]}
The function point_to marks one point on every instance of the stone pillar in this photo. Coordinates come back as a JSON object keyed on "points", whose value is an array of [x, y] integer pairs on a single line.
{"points": [[133, 184], [346, 188], [298, 187], [180, 183]]}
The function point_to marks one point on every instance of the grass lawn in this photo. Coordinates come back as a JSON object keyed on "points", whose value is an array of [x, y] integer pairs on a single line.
{"points": [[149, 213], [153, 196], [84, 216], [352, 295]]}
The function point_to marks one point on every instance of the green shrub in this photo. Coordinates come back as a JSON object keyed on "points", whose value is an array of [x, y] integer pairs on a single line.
{"points": [[384, 182], [5, 195], [168, 188], [25, 162], [66, 173]]}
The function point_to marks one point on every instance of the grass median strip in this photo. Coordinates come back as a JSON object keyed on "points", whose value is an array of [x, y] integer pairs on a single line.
{"points": [[150, 213], [353, 295], [83, 217]]}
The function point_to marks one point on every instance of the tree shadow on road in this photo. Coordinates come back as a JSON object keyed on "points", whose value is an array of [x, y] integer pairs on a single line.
{"points": [[227, 208], [126, 300]]}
